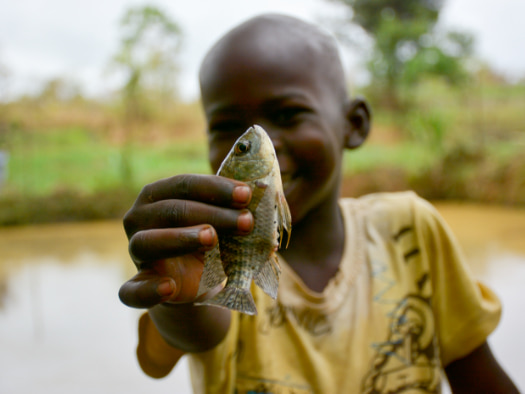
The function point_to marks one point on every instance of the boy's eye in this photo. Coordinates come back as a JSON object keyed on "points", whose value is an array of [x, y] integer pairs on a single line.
{"points": [[227, 127], [288, 116]]}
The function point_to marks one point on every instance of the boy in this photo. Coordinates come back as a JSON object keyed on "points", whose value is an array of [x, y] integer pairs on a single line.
{"points": [[373, 296]]}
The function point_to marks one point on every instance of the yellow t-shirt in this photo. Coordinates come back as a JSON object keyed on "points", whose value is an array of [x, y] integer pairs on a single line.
{"points": [[401, 306]]}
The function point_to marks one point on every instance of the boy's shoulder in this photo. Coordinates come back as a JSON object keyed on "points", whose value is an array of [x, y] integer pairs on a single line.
{"points": [[388, 201], [392, 211]]}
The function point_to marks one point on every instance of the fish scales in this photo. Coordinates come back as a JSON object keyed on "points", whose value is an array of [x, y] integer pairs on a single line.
{"points": [[241, 259]]}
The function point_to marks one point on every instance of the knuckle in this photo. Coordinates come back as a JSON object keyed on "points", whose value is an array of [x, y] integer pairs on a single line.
{"points": [[185, 184], [175, 213], [129, 221], [136, 246], [147, 193]]}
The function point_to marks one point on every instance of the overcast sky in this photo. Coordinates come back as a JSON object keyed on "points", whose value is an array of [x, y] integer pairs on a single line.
{"points": [[45, 39]]}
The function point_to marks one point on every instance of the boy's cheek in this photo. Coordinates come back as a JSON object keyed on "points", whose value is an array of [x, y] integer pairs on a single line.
{"points": [[217, 153]]}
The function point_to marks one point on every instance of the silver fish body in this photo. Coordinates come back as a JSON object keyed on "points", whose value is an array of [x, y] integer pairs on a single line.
{"points": [[241, 259]]}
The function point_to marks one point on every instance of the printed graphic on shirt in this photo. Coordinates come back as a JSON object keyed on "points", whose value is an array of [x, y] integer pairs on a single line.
{"points": [[314, 322], [250, 385], [407, 360]]}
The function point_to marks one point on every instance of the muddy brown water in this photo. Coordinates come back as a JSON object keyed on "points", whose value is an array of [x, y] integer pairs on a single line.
{"points": [[63, 329]]}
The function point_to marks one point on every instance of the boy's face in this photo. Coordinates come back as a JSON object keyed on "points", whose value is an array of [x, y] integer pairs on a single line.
{"points": [[286, 91]]}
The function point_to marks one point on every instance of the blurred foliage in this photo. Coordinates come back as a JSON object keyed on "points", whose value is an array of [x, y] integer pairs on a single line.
{"points": [[437, 129], [66, 205], [85, 154], [65, 150], [4, 78], [148, 55], [407, 46], [74, 158]]}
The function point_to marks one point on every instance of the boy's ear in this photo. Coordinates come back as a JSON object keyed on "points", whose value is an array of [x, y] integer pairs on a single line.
{"points": [[359, 119]]}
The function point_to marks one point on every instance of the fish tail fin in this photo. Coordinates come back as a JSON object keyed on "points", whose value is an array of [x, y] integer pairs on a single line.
{"points": [[235, 298]]}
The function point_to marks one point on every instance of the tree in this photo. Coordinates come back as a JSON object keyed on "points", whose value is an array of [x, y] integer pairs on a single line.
{"points": [[59, 89], [407, 44], [4, 82], [148, 55]]}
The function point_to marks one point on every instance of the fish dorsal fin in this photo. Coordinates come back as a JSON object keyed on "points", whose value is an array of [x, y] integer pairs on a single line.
{"points": [[268, 277], [213, 273]]}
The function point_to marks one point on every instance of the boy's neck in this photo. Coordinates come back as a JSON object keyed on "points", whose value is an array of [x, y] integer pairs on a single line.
{"points": [[316, 245]]}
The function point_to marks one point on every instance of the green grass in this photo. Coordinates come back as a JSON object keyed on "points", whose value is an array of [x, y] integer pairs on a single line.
{"points": [[76, 159], [173, 158], [409, 156], [42, 162]]}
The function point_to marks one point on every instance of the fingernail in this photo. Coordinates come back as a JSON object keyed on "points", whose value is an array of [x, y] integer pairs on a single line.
{"points": [[245, 221], [241, 194], [166, 288], [206, 237]]}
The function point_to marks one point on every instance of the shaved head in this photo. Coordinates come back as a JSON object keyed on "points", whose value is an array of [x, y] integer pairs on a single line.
{"points": [[273, 39]]}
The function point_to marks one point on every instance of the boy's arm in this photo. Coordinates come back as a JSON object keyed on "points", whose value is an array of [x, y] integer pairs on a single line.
{"points": [[479, 372], [155, 356]]}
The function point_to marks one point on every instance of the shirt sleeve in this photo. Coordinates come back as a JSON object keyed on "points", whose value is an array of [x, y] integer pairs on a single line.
{"points": [[466, 311], [155, 356]]}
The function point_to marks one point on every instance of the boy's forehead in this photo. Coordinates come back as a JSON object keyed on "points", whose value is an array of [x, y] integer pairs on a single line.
{"points": [[274, 43]]}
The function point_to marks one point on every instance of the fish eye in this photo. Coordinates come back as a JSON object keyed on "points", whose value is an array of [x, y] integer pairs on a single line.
{"points": [[242, 147]]}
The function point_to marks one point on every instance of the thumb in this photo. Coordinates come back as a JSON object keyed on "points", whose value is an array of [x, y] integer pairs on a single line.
{"points": [[145, 290]]}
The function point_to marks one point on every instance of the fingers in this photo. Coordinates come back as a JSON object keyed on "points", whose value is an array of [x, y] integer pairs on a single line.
{"points": [[188, 200], [156, 244], [145, 290], [185, 213], [210, 189], [172, 223]]}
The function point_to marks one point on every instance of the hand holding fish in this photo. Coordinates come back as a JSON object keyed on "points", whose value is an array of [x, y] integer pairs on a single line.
{"points": [[170, 226], [173, 230]]}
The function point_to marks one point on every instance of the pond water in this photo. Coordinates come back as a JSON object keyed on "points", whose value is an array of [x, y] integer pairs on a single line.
{"points": [[63, 329]]}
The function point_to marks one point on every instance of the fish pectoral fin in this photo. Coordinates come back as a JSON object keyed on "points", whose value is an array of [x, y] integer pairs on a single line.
{"points": [[213, 273], [284, 219], [233, 298], [268, 277], [257, 195]]}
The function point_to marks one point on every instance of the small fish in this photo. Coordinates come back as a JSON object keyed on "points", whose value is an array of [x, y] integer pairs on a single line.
{"points": [[241, 259]]}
